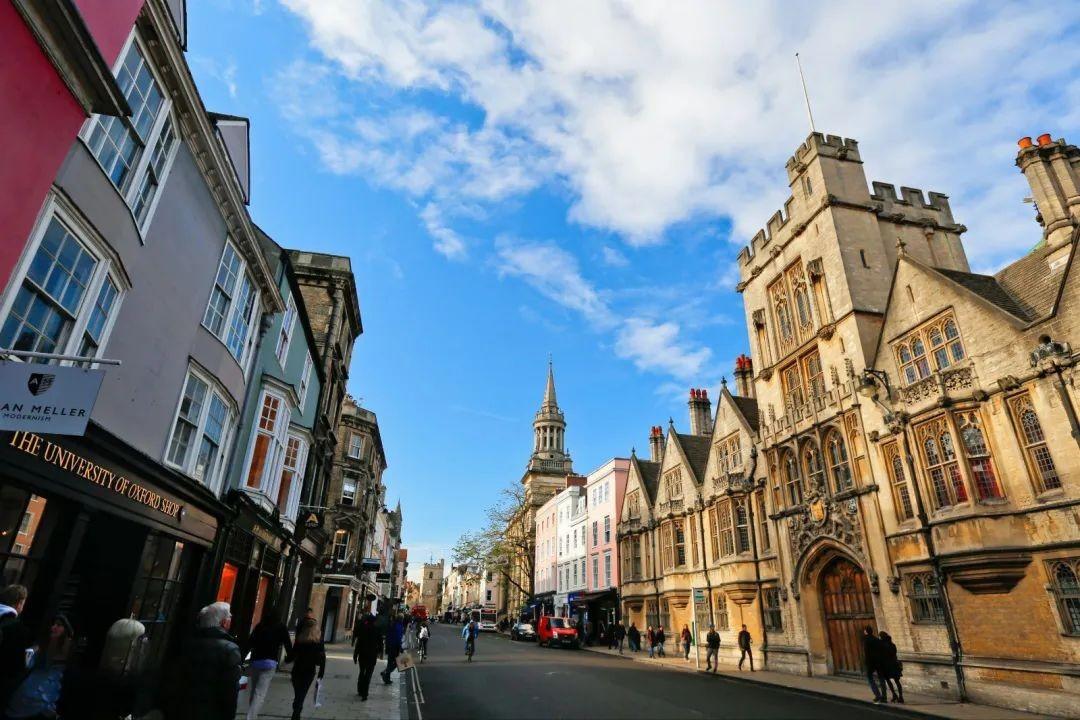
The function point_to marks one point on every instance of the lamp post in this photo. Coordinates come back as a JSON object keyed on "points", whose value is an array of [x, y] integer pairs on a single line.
{"points": [[871, 382]]}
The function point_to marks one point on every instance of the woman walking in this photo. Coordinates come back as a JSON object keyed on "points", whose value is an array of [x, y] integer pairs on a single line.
{"points": [[685, 637], [660, 640], [265, 643], [310, 654], [42, 691], [651, 638], [891, 668]]}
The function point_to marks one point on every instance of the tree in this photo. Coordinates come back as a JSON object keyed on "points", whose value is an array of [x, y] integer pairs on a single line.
{"points": [[506, 544]]}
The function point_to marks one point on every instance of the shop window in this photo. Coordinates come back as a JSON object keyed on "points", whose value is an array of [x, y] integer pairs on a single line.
{"points": [[157, 589], [292, 474], [121, 143], [839, 466], [231, 312], [268, 444], [901, 491], [722, 621], [774, 621], [22, 535], [924, 595], [1030, 433], [1065, 586], [933, 347], [763, 521], [202, 428], [68, 296]]}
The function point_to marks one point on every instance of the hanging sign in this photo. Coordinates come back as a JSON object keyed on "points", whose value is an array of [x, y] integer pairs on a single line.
{"points": [[53, 399]]}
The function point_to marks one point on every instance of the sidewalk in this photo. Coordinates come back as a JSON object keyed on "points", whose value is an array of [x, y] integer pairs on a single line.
{"points": [[339, 698], [835, 687]]}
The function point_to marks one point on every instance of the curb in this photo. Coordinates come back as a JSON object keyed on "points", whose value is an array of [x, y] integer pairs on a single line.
{"points": [[890, 707]]}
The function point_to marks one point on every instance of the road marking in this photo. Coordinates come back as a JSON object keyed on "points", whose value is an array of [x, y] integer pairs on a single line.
{"points": [[418, 693]]}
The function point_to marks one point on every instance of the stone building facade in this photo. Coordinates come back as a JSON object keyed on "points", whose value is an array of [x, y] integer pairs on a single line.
{"points": [[900, 452]]}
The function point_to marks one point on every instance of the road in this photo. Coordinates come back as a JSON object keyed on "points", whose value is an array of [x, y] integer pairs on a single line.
{"points": [[520, 680]]}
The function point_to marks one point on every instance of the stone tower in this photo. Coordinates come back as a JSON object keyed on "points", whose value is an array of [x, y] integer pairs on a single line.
{"points": [[549, 434]]}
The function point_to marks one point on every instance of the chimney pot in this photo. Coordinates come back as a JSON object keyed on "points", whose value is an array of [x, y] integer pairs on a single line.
{"points": [[704, 394], [1024, 142], [1044, 139]]}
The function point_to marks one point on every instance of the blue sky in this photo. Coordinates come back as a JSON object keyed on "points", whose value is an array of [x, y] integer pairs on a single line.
{"points": [[517, 179]]}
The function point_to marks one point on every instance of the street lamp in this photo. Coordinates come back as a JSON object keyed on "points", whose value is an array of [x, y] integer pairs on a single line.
{"points": [[870, 383]]}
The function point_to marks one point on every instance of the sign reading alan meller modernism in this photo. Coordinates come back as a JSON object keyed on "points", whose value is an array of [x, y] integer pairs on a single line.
{"points": [[53, 399]]}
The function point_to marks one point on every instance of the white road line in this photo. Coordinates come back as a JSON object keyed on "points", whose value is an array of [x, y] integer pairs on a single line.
{"points": [[418, 694]]}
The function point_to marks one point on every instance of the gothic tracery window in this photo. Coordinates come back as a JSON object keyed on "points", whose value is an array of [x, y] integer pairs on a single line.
{"points": [[1065, 586], [894, 464], [924, 595], [1032, 439], [978, 456], [933, 347], [839, 465], [940, 463], [792, 479]]}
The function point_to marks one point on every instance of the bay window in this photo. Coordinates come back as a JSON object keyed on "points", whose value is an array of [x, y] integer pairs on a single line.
{"points": [[292, 475], [135, 151], [231, 313], [894, 465], [69, 293], [201, 431], [956, 459], [268, 444]]}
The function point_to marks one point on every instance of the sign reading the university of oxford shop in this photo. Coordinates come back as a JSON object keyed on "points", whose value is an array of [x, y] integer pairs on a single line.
{"points": [[53, 453], [54, 399]]}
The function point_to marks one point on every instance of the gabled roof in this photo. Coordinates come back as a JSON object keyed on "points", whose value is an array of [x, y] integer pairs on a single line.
{"points": [[696, 450], [649, 472], [749, 409], [988, 288], [1030, 281]]}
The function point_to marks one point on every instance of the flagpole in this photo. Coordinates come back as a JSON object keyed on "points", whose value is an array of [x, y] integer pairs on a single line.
{"points": [[806, 95]]}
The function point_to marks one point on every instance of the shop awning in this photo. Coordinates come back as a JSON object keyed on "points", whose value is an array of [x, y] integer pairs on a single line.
{"points": [[587, 598]]}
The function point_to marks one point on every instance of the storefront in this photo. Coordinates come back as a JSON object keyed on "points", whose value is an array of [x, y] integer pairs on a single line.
{"points": [[598, 611], [102, 533], [257, 568]]}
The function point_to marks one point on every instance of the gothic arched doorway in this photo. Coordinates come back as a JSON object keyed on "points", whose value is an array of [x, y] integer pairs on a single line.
{"points": [[848, 608]]}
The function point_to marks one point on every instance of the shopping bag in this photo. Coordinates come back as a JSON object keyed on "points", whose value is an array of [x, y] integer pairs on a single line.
{"points": [[318, 693], [404, 662]]}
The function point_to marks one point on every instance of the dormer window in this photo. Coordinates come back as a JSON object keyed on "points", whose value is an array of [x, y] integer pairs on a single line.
{"points": [[933, 347], [673, 481]]}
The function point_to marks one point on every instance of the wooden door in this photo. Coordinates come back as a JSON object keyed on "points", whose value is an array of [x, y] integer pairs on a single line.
{"points": [[849, 608]]}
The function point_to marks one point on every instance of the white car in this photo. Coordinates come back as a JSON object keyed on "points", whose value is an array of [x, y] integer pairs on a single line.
{"points": [[487, 626]]}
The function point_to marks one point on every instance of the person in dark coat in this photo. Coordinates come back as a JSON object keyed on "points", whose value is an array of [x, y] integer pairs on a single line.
{"points": [[366, 644], [310, 655], [660, 640], [209, 669], [686, 639], [15, 639], [633, 635], [394, 636], [712, 654], [745, 641], [872, 659], [620, 636], [265, 644], [891, 668]]}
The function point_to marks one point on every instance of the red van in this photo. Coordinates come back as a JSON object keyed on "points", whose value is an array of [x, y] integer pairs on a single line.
{"points": [[557, 632]]}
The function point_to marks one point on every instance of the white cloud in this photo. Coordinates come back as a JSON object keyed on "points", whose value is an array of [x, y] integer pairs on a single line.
{"points": [[651, 113], [447, 241], [656, 346], [613, 258]]}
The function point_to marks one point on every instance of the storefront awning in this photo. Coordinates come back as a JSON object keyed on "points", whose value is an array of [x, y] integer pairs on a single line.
{"points": [[589, 598]]}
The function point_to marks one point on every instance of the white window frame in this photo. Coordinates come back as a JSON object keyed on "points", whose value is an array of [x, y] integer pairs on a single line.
{"points": [[360, 446], [607, 569], [275, 457], [292, 503], [285, 332], [346, 477], [215, 482], [107, 266], [233, 308], [142, 164], [305, 382]]}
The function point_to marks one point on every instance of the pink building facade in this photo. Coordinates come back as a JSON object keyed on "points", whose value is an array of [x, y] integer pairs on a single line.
{"points": [[605, 489], [547, 557]]}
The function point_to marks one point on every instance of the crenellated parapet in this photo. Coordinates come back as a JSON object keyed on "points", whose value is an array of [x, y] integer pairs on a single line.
{"points": [[832, 146], [911, 202]]}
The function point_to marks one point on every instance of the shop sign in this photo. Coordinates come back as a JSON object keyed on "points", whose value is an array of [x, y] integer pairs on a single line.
{"points": [[371, 564], [382, 577], [699, 596], [68, 460], [54, 399]]}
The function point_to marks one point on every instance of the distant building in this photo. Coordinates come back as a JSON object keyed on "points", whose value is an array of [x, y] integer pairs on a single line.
{"points": [[431, 587]]}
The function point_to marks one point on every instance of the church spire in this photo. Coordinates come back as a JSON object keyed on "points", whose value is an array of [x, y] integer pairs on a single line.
{"points": [[549, 432], [550, 403]]}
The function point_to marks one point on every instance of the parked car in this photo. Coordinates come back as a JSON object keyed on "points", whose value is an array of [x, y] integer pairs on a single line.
{"points": [[488, 626], [523, 631], [557, 631]]}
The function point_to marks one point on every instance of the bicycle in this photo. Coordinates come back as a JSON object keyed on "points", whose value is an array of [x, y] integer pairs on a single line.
{"points": [[423, 649], [470, 648]]}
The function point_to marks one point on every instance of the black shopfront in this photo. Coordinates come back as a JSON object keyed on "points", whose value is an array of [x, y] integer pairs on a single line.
{"points": [[102, 533]]}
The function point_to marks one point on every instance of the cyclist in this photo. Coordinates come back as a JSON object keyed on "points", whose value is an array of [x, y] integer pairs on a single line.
{"points": [[422, 635], [470, 633]]}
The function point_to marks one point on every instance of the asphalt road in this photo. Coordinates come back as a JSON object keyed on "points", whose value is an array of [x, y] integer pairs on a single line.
{"points": [[520, 680]]}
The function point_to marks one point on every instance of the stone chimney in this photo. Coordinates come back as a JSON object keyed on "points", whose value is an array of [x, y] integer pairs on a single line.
{"points": [[1052, 169], [744, 376], [656, 443], [700, 412]]}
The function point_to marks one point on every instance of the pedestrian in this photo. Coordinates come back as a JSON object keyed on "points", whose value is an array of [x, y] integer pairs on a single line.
{"points": [[872, 659], [366, 644], [651, 639], [686, 640], [15, 640], [266, 642], [745, 641], [393, 647], [42, 691], [712, 653], [891, 668], [633, 635], [309, 614], [620, 636], [660, 640], [209, 670], [310, 655]]}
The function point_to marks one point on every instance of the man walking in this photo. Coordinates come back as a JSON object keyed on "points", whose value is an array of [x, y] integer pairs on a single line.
{"points": [[651, 639], [209, 670], [712, 653], [660, 639], [394, 637], [872, 658], [620, 636], [15, 638], [633, 637], [366, 643], [744, 648]]}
